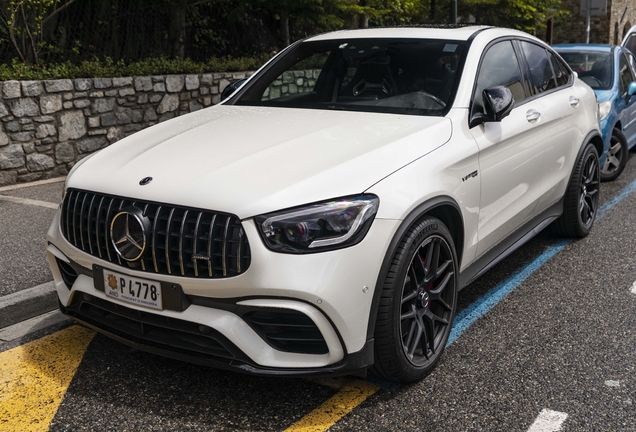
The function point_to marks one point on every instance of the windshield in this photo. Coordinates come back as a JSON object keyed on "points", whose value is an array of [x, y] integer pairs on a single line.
{"points": [[594, 68], [404, 76]]}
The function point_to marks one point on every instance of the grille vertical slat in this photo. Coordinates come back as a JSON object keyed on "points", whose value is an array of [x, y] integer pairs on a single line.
{"points": [[211, 247], [86, 219], [168, 241], [99, 212], [195, 243]]}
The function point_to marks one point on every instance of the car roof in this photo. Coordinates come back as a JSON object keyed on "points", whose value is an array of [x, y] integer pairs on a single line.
{"points": [[458, 33], [583, 47]]}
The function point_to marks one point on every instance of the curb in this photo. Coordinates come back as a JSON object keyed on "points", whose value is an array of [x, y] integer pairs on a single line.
{"points": [[28, 303]]}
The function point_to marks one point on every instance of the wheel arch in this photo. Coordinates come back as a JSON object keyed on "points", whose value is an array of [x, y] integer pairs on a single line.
{"points": [[596, 139], [443, 208]]}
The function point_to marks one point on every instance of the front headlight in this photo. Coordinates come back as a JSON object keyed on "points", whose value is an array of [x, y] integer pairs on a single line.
{"points": [[318, 227], [604, 109]]}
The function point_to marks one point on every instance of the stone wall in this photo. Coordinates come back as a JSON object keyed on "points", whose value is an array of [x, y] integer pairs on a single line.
{"points": [[610, 28], [47, 126]]}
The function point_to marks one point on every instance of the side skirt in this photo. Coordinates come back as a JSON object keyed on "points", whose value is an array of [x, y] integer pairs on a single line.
{"points": [[510, 244]]}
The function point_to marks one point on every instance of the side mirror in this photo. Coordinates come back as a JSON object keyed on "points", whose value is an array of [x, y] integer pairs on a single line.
{"points": [[231, 88], [631, 88], [498, 101]]}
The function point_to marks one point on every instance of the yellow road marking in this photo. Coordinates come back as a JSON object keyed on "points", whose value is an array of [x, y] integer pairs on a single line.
{"points": [[35, 376], [339, 405]]}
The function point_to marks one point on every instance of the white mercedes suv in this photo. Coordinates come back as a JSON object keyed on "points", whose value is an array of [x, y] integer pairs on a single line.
{"points": [[323, 218]]}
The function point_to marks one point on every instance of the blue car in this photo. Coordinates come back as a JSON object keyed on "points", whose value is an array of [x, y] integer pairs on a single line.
{"points": [[611, 71]]}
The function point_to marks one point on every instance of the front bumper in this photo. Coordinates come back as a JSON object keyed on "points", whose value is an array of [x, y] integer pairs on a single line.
{"points": [[212, 324]]}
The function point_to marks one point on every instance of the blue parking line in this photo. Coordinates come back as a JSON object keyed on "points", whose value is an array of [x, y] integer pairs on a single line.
{"points": [[467, 316]]}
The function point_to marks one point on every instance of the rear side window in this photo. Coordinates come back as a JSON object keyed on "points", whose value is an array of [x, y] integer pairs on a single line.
{"points": [[499, 66], [630, 43], [626, 75], [561, 72], [541, 74]]}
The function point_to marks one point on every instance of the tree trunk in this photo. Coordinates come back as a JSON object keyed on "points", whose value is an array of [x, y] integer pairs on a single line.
{"points": [[364, 21], [178, 29], [284, 27], [433, 10]]}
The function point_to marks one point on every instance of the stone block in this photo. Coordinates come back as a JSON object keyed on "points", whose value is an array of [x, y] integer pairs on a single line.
{"points": [[142, 99], [169, 103], [204, 90], [93, 122], [25, 121], [80, 95], [44, 119], [206, 79], [32, 88], [30, 177], [222, 84], [8, 177], [22, 136], [67, 105], [137, 116], [155, 98], [12, 126], [108, 120], [157, 78], [159, 87], [102, 83], [39, 162], [195, 106], [103, 105], [184, 96], [12, 157], [28, 127], [174, 83], [28, 148], [67, 96], [114, 134], [45, 130], [167, 116], [11, 89], [64, 153], [96, 94], [81, 103], [83, 84], [4, 139], [122, 81], [50, 104], [97, 132], [89, 145], [126, 91], [215, 99], [60, 85], [110, 93], [72, 125], [24, 107], [207, 101], [150, 115], [123, 115], [143, 84], [192, 82], [3, 110]]}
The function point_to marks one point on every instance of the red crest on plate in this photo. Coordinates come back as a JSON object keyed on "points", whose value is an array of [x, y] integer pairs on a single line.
{"points": [[112, 281]]}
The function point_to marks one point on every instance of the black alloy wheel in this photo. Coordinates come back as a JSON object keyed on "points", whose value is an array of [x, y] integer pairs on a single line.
{"points": [[418, 303], [581, 196], [588, 201], [616, 157]]}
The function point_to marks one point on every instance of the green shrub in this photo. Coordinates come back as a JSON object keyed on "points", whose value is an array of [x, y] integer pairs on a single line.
{"points": [[108, 68]]}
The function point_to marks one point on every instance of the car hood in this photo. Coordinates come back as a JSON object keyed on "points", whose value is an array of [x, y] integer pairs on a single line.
{"points": [[253, 160]]}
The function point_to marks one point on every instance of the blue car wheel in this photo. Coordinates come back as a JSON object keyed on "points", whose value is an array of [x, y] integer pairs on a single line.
{"points": [[616, 157]]}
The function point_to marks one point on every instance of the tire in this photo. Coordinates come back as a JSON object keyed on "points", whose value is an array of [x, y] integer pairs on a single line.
{"points": [[616, 157], [417, 303], [581, 197]]}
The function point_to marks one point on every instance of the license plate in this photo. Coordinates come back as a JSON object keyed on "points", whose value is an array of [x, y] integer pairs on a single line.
{"points": [[142, 292]]}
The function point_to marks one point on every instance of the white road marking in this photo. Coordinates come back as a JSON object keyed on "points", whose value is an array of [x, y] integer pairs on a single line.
{"points": [[634, 288], [612, 383], [35, 183], [29, 202], [548, 421]]}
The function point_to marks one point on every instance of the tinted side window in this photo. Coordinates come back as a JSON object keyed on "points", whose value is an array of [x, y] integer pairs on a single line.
{"points": [[541, 75], [500, 67], [560, 71], [626, 75], [630, 43]]}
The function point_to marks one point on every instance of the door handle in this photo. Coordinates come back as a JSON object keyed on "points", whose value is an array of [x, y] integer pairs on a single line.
{"points": [[574, 102], [532, 116]]}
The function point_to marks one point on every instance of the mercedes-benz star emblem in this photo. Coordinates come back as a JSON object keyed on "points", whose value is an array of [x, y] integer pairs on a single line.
{"points": [[128, 230], [144, 181]]}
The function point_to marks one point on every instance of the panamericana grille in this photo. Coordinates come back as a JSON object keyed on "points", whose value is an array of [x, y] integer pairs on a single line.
{"points": [[182, 242]]}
